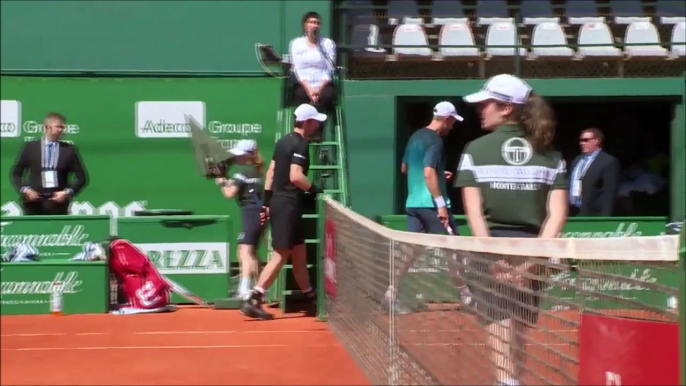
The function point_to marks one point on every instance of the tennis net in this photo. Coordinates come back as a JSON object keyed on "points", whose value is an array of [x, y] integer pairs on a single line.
{"points": [[422, 309]]}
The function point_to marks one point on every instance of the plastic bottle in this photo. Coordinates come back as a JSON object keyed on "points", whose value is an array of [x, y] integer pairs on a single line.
{"points": [[56, 299]]}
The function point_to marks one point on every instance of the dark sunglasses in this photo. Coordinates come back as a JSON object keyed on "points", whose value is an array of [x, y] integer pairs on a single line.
{"points": [[584, 140]]}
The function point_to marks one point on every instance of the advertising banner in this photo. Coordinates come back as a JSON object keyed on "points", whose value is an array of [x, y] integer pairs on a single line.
{"points": [[26, 287], [330, 258], [620, 351]]}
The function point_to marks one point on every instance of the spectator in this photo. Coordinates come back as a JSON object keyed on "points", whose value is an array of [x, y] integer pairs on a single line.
{"points": [[49, 162], [594, 181]]}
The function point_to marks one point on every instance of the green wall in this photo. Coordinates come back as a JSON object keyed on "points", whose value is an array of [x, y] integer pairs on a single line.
{"points": [[371, 126], [147, 36], [115, 123]]}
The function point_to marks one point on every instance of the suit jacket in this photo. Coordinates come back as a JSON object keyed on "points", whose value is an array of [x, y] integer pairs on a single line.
{"points": [[599, 185], [68, 162]]}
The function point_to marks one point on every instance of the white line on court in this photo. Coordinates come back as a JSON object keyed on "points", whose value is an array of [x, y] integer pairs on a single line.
{"points": [[30, 335], [189, 332], [191, 347], [146, 347], [228, 332]]}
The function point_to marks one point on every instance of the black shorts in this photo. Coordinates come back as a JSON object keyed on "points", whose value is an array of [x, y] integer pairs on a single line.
{"points": [[497, 301], [425, 220], [251, 230], [285, 216]]}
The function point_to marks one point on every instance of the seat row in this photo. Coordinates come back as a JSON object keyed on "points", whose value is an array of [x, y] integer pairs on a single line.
{"points": [[548, 39], [398, 10]]}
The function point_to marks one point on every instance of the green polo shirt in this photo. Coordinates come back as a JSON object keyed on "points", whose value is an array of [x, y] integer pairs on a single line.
{"points": [[514, 180], [424, 150]]}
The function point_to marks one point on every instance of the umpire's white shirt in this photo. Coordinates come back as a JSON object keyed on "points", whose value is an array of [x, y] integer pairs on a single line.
{"points": [[312, 64]]}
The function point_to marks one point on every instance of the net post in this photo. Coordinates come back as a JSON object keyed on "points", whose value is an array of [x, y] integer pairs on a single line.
{"points": [[321, 294], [682, 302]]}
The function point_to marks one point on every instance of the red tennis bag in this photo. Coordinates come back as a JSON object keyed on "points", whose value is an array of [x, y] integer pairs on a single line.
{"points": [[140, 282]]}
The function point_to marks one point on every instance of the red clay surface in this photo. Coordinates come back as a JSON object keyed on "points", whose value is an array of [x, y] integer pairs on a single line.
{"points": [[451, 347], [191, 346]]}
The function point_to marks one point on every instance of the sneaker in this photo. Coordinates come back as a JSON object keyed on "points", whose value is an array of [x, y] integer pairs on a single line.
{"points": [[309, 295], [252, 307]]}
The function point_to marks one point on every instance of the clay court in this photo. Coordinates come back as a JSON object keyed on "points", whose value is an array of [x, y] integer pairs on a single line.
{"points": [[191, 346]]}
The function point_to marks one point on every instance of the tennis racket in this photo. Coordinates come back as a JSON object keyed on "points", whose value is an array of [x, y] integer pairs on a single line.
{"points": [[183, 291]]}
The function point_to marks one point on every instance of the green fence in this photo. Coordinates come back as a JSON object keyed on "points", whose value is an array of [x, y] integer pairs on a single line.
{"points": [[194, 251]]}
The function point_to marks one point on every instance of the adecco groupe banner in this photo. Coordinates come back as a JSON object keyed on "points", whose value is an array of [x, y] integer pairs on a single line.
{"points": [[133, 138]]}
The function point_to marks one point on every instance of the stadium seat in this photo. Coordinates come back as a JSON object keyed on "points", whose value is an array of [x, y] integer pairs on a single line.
{"points": [[597, 33], [670, 11], [670, 8], [628, 11], [582, 12], [411, 35], [626, 8], [354, 14], [679, 39], [447, 9], [413, 20], [646, 34], [536, 12], [457, 34], [491, 8], [365, 35], [502, 34], [536, 8], [449, 20], [400, 9], [550, 34]]}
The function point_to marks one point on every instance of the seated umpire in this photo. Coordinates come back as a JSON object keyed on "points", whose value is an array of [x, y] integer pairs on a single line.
{"points": [[313, 59]]}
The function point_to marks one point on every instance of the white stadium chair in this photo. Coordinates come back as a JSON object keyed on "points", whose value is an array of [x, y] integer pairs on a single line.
{"points": [[645, 34], [457, 34], [411, 35], [545, 34], [501, 34], [597, 33], [679, 39]]}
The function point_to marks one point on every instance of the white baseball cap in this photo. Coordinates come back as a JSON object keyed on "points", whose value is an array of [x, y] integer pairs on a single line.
{"points": [[306, 111], [504, 88], [447, 109], [243, 147]]}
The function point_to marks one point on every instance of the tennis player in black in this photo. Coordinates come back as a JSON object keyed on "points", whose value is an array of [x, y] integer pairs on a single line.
{"points": [[285, 187]]}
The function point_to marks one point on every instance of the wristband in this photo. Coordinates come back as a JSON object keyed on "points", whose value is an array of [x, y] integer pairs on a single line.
{"points": [[440, 202], [267, 198], [314, 189]]}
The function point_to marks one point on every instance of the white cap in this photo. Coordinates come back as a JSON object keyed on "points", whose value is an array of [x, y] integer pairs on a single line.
{"points": [[243, 147], [306, 111], [447, 109], [504, 88]]}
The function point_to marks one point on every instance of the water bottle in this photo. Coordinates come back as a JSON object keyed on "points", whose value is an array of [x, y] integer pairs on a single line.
{"points": [[56, 299]]}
